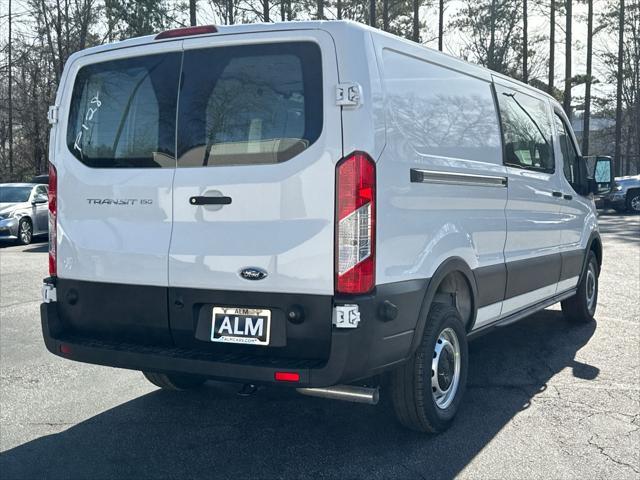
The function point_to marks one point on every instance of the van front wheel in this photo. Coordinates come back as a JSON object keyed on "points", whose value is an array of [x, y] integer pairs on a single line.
{"points": [[174, 381], [582, 306], [428, 389]]}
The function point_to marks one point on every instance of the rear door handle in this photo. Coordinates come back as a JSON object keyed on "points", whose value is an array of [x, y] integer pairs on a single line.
{"points": [[210, 200], [557, 194], [568, 197]]}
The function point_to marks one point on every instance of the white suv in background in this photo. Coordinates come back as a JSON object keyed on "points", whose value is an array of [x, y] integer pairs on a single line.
{"points": [[308, 204]]}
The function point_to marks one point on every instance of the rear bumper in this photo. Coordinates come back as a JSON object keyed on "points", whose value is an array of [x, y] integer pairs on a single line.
{"points": [[376, 345]]}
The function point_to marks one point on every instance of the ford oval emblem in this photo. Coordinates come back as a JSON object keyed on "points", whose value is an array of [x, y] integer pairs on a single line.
{"points": [[253, 273]]}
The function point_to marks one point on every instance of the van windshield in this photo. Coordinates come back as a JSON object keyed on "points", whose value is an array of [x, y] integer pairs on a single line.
{"points": [[238, 105]]}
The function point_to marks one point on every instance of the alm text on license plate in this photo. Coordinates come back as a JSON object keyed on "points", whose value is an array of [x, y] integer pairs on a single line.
{"points": [[249, 326]]}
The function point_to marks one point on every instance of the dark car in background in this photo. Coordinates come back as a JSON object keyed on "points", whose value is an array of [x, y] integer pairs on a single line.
{"points": [[625, 194], [24, 211]]}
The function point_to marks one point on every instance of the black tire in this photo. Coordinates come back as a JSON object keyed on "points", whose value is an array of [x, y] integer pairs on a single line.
{"points": [[582, 306], [174, 381], [25, 231], [633, 201], [411, 384]]}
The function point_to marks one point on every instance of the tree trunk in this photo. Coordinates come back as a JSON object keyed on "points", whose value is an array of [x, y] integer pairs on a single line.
{"points": [[372, 13], [385, 15], [320, 10], [339, 9], [283, 10], [230, 12], [525, 41], [440, 24], [265, 10], [566, 104], [587, 88], [10, 103], [416, 21], [618, 146], [552, 47], [192, 13], [492, 37]]}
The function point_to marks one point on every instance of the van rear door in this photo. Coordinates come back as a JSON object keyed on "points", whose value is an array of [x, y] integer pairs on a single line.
{"points": [[115, 165], [259, 135]]}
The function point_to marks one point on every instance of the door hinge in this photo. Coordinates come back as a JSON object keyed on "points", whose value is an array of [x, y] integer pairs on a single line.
{"points": [[49, 293], [349, 95], [346, 316], [52, 114]]}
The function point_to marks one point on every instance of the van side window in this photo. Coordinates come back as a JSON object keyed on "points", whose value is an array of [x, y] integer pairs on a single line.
{"points": [[249, 104], [567, 151], [122, 112], [526, 127]]}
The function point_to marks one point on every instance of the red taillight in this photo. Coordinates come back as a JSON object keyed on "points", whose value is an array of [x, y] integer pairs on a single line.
{"points": [[53, 219], [355, 224], [287, 377], [186, 32]]}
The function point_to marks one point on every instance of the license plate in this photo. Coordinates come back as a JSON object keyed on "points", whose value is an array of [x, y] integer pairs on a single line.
{"points": [[249, 326]]}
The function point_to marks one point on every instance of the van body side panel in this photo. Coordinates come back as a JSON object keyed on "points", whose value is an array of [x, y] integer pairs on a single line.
{"points": [[114, 224], [443, 187], [364, 127]]}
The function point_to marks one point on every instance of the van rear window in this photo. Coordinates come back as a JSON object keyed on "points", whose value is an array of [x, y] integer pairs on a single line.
{"points": [[123, 112], [249, 104], [238, 105]]}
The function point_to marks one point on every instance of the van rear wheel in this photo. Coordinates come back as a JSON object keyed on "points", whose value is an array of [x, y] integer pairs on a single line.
{"points": [[174, 381], [428, 389], [582, 306]]}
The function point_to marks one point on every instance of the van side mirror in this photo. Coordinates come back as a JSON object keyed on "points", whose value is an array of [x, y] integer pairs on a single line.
{"points": [[602, 175]]}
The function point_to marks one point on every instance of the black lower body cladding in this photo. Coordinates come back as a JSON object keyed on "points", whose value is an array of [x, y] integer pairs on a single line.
{"points": [[168, 330]]}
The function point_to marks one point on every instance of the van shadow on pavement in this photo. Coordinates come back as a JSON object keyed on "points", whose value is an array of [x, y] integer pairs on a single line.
{"points": [[213, 433]]}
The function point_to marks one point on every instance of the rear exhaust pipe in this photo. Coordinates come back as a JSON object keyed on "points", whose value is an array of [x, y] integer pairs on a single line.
{"points": [[348, 393]]}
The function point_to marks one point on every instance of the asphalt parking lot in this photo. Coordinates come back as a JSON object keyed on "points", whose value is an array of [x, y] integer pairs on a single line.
{"points": [[546, 399]]}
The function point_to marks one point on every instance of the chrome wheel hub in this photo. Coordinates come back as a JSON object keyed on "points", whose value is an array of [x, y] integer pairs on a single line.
{"points": [[25, 232], [591, 288], [635, 203], [445, 368]]}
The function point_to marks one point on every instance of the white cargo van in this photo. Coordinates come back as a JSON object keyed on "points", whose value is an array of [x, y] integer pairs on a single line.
{"points": [[309, 204]]}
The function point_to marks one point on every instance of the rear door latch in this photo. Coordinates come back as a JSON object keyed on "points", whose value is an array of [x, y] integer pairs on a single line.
{"points": [[349, 95]]}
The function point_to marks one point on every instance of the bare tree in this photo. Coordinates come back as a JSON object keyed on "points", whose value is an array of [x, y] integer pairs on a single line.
{"points": [[10, 68], [552, 46], [372, 13], [416, 21], [385, 15], [587, 88], [525, 41], [440, 24], [566, 103], [618, 141], [192, 12]]}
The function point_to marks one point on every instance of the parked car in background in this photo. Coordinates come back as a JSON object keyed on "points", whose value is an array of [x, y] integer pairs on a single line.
{"points": [[24, 211], [625, 194]]}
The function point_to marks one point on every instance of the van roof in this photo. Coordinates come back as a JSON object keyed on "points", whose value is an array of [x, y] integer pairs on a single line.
{"points": [[327, 25]]}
